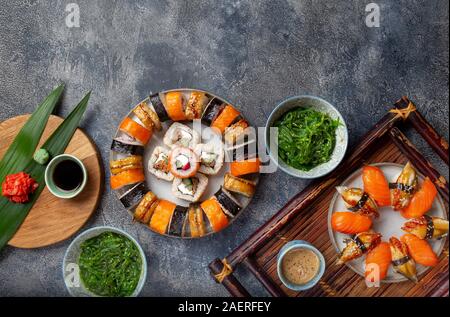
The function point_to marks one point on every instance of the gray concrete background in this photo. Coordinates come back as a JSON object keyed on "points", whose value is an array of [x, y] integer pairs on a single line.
{"points": [[253, 53]]}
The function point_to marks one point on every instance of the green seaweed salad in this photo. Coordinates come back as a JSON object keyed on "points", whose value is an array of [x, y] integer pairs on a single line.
{"points": [[110, 265], [306, 137]]}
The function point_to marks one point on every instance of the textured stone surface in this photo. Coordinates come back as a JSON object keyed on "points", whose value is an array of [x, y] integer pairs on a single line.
{"points": [[253, 53]]}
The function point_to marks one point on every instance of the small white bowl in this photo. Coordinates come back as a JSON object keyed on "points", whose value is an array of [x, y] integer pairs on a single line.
{"points": [[320, 105], [71, 271]]}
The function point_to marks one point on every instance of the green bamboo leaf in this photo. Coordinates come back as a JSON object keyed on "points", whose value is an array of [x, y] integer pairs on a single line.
{"points": [[12, 215], [26, 141]]}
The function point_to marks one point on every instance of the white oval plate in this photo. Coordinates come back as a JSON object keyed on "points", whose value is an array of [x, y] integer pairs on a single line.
{"points": [[388, 224]]}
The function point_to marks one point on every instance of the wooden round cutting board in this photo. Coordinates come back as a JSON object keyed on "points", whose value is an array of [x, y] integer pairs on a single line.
{"points": [[52, 219]]}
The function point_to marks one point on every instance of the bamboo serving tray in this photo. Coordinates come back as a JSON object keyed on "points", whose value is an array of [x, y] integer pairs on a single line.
{"points": [[304, 217]]}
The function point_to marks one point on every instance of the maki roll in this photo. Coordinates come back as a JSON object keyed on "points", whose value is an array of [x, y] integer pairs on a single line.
{"points": [[127, 177], [177, 222], [119, 146], [212, 110], [124, 164], [135, 131], [195, 221], [239, 185], [195, 105], [174, 104], [183, 162], [190, 189], [159, 164], [225, 118], [147, 116], [214, 213], [245, 167], [158, 107], [133, 196], [211, 157], [245, 149], [228, 203], [146, 207], [236, 131], [181, 135], [162, 216]]}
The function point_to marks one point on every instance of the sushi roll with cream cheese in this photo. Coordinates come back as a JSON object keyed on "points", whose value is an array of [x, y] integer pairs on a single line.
{"points": [[190, 189], [211, 157], [183, 162], [181, 135], [159, 164]]}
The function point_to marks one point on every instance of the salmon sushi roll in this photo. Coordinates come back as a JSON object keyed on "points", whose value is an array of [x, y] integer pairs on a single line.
{"points": [[174, 104], [183, 162], [162, 216], [226, 117], [213, 211]]}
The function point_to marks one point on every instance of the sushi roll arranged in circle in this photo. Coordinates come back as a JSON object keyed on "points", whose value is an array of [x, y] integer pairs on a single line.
{"points": [[158, 164], [242, 150], [216, 216], [157, 105], [236, 131], [225, 118], [134, 195], [175, 105], [181, 135], [147, 116], [127, 177], [229, 204], [247, 166], [239, 185], [190, 189], [183, 162], [162, 215], [195, 105], [176, 225], [135, 131], [194, 225], [144, 211], [211, 157], [212, 111], [119, 145], [124, 164]]}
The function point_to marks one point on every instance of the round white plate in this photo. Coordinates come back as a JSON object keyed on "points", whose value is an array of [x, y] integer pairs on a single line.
{"points": [[388, 224]]}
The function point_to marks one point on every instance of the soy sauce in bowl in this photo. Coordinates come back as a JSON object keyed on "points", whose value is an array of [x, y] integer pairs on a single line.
{"points": [[68, 175]]}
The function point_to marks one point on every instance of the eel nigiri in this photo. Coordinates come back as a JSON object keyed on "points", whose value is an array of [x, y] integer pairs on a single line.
{"points": [[401, 261], [427, 227], [376, 185], [350, 223], [420, 250], [422, 200], [358, 245], [403, 189], [380, 256], [357, 200]]}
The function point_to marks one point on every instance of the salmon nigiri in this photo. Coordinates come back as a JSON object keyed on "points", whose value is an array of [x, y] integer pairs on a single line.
{"points": [[350, 223], [380, 256], [422, 200], [427, 227], [376, 185], [420, 250], [401, 260]]}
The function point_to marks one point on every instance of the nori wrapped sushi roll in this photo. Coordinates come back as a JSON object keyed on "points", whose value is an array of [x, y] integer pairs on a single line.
{"points": [[159, 107], [125, 148], [228, 203], [243, 151], [212, 110], [177, 222], [133, 196]]}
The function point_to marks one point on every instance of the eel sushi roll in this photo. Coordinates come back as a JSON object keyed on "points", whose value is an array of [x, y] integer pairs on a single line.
{"points": [[229, 204], [181, 135], [147, 116], [236, 131], [239, 185], [212, 111], [177, 222], [246, 148], [216, 216], [121, 146], [158, 106], [146, 207], [158, 164], [195, 105], [183, 162], [124, 164], [194, 224], [190, 189], [135, 131], [134, 195], [162, 216], [211, 157]]}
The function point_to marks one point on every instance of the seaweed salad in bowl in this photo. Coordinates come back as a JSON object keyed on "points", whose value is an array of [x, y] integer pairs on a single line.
{"points": [[311, 137]]}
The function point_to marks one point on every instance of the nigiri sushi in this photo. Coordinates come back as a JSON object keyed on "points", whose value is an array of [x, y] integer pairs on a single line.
{"points": [[401, 261], [422, 200], [427, 227], [403, 189], [357, 200], [420, 250], [380, 256], [376, 185], [350, 223], [358, 245]]}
